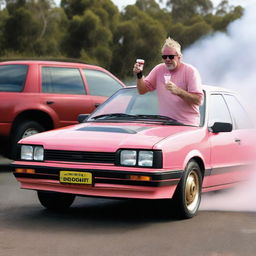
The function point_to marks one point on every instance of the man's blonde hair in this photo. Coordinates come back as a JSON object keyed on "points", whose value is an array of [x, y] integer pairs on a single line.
{"points": [[171, 43]]}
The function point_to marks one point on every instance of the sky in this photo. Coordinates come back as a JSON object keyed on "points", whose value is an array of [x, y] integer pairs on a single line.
{"points": [[122, 3]]}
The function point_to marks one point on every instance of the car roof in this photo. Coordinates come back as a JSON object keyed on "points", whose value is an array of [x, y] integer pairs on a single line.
{"points": [[67, 62], [211, 88], [206, 88]]}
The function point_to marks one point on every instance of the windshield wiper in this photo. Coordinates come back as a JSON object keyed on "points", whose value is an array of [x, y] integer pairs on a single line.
{"points": [[156, 117], [166, 120], [114, 116]]}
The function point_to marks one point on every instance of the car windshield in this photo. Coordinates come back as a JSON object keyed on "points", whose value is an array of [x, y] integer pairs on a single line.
{"points": [[128, 105]]}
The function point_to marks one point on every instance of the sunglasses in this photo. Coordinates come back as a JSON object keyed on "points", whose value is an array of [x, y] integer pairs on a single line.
{"points": [[171, 57]]}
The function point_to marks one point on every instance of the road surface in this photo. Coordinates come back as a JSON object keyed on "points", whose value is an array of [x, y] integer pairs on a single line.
{"points": [[104, 227]]}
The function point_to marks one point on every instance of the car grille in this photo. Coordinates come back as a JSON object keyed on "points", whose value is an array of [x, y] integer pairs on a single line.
{"points": [[79, 156]]}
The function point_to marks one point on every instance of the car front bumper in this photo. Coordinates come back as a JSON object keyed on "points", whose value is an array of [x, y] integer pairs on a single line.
{"points": [[107, 181]]}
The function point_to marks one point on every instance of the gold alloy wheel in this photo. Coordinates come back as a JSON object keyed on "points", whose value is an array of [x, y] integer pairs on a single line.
{"points": [[192, 188]]}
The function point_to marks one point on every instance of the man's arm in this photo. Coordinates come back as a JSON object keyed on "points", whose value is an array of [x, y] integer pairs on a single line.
{"points": [[142, 88], [190, 98]]}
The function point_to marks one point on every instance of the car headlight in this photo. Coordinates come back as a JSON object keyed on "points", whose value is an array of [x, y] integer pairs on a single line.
{"points": [[145, 158], [29, 152], [38, 153], [128, 157], [140, 158], [26, 152]]}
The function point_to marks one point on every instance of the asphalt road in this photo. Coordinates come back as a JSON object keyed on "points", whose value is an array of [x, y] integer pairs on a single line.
{"points": [[116, 227]]}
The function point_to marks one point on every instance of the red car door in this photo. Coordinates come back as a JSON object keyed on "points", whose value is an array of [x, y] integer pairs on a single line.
{"points": [[64, 92]]}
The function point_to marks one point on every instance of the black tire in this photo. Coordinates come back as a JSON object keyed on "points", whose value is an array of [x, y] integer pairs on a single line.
{"points": [[55, 201], [22, 130], [187, 196]]}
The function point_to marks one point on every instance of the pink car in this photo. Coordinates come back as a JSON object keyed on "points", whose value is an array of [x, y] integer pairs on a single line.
{"points": [[125, 149]]}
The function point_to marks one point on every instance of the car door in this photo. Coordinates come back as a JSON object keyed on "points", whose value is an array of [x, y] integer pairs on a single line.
{"points": [[64, 92], [101, 85], [244, 130], [226, 159]]}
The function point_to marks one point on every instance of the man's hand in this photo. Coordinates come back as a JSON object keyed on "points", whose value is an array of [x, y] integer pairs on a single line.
{"points": [[190, 98], [140, 81], [173, 88]]}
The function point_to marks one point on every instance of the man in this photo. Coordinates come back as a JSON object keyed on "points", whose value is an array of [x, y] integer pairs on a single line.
{"points": [[180, 96]]}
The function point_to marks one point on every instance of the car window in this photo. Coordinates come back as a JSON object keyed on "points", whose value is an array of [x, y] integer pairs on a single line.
{"points": [[12, 77], [240, 117], [62, 80], [218, 110], [100, 83]]}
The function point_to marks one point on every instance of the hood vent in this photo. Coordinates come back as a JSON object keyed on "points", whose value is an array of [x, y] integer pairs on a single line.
{"points": [[114, 129]]}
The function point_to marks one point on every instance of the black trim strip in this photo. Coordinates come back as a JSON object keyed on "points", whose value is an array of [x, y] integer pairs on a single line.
{"points": [[227, 169], [36, 176], [224, 184], [207, 172], [139, 183]]}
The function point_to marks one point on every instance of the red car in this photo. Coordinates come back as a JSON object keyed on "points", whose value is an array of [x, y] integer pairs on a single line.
{"points": [[125, 149], [37, 96]]}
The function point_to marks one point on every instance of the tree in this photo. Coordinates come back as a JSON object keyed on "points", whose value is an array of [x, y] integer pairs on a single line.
{"points": [[224, 16], [183, 10], [138, 37], [3, 18], [90, 31], [33, 27]]}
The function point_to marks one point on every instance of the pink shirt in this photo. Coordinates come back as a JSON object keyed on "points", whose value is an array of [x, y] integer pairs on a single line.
{"points": [[187, 78]]}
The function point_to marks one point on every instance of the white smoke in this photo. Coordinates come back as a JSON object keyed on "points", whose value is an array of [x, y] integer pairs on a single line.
{"points": [[240, 198], [229, 60]]}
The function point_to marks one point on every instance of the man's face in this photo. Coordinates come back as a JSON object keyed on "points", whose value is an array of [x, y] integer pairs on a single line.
{"points": [[170, 58]]}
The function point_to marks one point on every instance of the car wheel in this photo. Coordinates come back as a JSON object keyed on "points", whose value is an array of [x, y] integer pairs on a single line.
{"points": [[55, 201], [23, 130], [187, 196]]}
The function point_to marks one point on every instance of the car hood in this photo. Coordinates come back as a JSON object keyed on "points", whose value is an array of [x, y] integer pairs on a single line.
{"points": [[105, 137]]}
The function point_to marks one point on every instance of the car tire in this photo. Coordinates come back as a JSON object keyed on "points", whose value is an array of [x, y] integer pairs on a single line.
{"points": [[55, 201], [187, 196], [22, 130]]}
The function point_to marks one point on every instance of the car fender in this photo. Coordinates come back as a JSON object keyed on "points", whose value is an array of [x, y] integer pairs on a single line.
{"points": [[20, 110], [192, 154]]}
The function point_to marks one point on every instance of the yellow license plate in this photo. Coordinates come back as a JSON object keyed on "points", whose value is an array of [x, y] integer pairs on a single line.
{"points": [[75, 177]]}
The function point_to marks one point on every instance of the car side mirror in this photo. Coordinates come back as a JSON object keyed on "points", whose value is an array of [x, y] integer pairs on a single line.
{"points": [[82, 117], [221, 127]]}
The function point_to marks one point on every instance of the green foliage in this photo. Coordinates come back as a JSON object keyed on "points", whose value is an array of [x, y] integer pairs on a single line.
{"points": [[4, 16], [32, 28], [221, 21], [138, 36], [182, 10], [95, 31], [90, 32]]}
